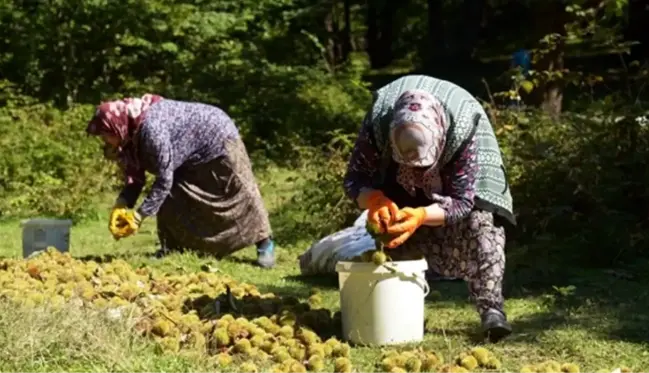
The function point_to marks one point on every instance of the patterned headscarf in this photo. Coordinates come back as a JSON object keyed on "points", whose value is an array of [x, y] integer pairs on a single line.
{"points": [[417, 137], [122, 118]]}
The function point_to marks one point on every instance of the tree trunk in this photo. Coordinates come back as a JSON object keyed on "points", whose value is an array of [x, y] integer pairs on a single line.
{"points": [[337, 34], [552, 91], [372, 34], [473, 12], [347, 32], [637, 28], [552, 100], [380, 33], [436, 47], [551, 19], [387, 32], [332, 46]]}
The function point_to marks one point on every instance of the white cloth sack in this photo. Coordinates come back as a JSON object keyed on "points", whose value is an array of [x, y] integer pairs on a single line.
{"points": [[322, 256]]}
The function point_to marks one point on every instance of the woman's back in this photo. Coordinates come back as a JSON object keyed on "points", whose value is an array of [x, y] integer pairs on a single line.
{"points": [[461, 108], [194, 133]]}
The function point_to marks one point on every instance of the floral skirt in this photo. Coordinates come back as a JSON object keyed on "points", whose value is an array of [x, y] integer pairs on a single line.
{"points": [[473, 250]]}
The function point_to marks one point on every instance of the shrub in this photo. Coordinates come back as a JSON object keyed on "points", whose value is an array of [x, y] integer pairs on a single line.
{"points": [[51, 168], [579, 184], [48, 166], [295, 106]]}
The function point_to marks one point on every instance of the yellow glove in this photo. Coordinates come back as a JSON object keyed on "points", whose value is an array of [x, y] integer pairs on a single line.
{"points": [[118, 209], [127, 223], [123, 222]]}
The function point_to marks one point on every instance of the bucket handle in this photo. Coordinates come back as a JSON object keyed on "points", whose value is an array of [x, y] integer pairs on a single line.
{"points": [[425, 284], [420, 281], [411, 275]]}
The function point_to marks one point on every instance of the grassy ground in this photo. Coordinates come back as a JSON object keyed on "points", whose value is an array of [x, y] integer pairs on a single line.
{"points": [[598, 320]]}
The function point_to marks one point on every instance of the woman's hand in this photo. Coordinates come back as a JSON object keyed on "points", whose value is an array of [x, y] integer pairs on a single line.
{"points": [[381, 210], [119, 208], [111, 153], [435, 214], [408, 221], [126, 223]]}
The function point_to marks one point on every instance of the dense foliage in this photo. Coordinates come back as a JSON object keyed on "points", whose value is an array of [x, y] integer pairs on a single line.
{"points": [[296, 77]]}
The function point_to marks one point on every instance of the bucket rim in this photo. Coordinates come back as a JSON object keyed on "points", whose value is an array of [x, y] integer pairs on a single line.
{"points": [[402, 266], [45, 222]]}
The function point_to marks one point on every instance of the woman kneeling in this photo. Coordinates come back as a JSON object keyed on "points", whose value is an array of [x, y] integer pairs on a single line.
{"points": [[427, 146]]}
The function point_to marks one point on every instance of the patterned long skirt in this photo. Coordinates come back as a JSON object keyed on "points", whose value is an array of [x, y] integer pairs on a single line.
{"points": [[214, 208], [473, 250]]}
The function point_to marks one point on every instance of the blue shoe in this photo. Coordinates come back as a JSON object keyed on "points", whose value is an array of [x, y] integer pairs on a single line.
{"points": [[266, 253]]}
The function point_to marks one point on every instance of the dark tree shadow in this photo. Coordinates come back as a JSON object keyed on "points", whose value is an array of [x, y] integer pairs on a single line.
{"points": [[294, 289], [286, 310], [578, 249], [610, 306], [323, 281], [613, 304], [451, 291], [104, 258], [239, 260], [108, 258], [614, 301], [613, 323]]}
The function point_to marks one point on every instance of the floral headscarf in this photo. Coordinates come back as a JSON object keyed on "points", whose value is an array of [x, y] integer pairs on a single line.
{"points": [[417, 137], [122, 118]]}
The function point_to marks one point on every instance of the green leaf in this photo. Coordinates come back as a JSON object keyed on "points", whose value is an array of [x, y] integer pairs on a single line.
{"points": [[527, 86], [169, 47]]}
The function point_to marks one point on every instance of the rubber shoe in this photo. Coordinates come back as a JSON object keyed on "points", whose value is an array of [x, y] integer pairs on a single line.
{"points": [[161, 253], [495, 326], [266, 254]]}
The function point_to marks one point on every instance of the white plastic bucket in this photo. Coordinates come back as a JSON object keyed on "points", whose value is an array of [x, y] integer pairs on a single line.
{"points": [[380, 306], [39, 234]]}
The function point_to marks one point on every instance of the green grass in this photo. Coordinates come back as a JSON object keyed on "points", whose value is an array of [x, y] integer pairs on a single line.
{"points": [[600, 323]]}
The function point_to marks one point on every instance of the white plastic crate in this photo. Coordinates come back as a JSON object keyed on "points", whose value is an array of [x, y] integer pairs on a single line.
{"points": [[39, 234]]}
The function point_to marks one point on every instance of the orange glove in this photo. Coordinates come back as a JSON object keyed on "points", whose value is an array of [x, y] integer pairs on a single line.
{"points": [[381, 210], [408, 221]]}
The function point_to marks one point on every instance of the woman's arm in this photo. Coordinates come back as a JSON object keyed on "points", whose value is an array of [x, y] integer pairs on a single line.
{"points": [[458, 181], [134, 181], [363, 164], [156, 143], [130, 193]]}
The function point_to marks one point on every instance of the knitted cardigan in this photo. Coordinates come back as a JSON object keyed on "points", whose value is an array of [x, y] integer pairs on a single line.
{"points": [[466, 119]]}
